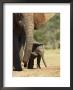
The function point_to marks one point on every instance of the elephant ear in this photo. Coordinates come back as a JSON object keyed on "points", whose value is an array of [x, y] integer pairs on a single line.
{"points": [[39, 19]]}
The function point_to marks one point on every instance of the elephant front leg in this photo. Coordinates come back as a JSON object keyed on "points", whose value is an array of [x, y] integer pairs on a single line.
{"points": [[17, 65], [16, 59]]}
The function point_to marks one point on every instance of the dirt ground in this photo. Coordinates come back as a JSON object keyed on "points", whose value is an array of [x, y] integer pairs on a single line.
{"points": [[52, 58]]}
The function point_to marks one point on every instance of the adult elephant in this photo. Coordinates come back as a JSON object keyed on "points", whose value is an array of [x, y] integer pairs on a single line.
{"points": [[23, 26]]}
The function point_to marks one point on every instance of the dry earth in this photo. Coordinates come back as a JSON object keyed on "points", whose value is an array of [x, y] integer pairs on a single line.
{"points": [[52, 58]]}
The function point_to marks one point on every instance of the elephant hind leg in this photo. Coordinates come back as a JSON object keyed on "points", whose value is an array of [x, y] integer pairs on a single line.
{"points": [[38, 61]]}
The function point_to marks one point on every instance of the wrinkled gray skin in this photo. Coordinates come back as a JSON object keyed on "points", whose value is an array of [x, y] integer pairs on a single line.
{"points": [[23, 26]]}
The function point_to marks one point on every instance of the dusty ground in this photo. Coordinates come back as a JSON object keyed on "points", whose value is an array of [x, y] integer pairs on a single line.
{"points": [[52, 58]]}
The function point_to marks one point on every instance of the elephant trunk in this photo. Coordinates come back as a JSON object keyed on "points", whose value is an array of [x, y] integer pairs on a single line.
{"points": [[28, 25]]}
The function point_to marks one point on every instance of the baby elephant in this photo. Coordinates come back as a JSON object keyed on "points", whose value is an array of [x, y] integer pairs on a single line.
{"points": [[37, 52]]}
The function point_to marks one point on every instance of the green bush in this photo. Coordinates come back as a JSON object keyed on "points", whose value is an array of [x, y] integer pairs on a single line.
{"points": [[49, 33]]}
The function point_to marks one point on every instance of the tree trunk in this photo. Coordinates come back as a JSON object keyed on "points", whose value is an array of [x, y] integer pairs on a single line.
{"points": [[28, 27]]}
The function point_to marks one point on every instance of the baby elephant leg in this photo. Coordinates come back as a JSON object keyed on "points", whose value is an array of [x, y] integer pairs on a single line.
{"points": [[38, 61], [31, 62]]}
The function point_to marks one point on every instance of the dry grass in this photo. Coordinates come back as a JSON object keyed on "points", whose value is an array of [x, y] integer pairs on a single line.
{"points": [[52, 58]]}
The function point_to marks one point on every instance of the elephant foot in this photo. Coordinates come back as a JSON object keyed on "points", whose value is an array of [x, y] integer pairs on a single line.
{"points": [[30, 67], [17, 69]]}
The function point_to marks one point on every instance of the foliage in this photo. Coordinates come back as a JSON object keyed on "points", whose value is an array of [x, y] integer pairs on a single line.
{"points": [[49, 33]]}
